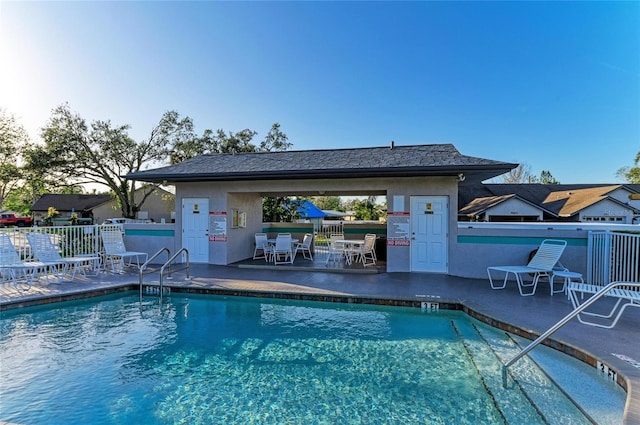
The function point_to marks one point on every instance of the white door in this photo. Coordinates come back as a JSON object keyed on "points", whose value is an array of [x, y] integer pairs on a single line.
{"points": [[195, 228], [429, 233]]}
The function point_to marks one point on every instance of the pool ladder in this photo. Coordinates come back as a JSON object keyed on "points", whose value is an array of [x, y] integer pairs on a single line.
{"points": [[605, 289], [165, 269]]}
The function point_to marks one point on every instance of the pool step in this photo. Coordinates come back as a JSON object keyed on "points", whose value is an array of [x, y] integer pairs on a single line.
{"points": [[525, 375], [513, 404]]}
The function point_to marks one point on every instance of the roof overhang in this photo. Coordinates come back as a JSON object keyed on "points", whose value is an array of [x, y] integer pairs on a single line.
{"points": [[471, 173]]}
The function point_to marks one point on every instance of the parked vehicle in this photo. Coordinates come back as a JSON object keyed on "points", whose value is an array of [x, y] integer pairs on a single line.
{"points": [[11, 219]]}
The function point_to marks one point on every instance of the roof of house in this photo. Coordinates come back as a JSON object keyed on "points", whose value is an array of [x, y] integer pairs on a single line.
{"points": [[391, 161], [561, 200], [68, 202]]}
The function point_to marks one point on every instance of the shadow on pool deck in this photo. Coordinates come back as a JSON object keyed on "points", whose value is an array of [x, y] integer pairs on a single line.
{"points": [[531, 314]]}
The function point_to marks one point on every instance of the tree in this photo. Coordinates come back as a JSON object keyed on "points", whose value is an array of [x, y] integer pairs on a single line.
{"points": [[222, 142], [13, 140], [275, 140], [631, 174], [366, 209], [328, 203], [102, 153], [547, 178], [280, 209], [522, 174]]}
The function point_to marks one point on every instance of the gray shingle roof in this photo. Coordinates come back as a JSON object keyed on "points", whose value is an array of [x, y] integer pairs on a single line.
{"points": [[417, 160], [560, 200], [67, 202]]}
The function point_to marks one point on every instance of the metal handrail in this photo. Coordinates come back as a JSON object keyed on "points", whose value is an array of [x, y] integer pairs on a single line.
{"points": [[561, 323], [146, 263], [168, 264]]}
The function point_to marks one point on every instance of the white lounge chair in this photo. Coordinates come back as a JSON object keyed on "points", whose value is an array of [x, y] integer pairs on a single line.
{"points": [[46, 252], [115, 251], [625, 298], [542, 264], [12, 268], [305, 247]]}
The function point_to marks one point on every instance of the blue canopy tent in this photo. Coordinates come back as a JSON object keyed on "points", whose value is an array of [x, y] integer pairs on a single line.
{"points": [[308, 211]]}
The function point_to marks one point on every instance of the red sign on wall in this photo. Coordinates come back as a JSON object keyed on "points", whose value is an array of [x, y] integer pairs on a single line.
{"points": [[398, 242]]}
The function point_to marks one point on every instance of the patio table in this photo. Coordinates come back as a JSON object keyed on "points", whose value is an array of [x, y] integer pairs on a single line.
{"points": [[349, 244]]}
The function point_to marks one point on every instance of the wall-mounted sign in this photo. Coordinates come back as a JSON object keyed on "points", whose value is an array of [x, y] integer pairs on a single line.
{"points": [[398, 242], [398, 228], [218, 226], [196, 209]]}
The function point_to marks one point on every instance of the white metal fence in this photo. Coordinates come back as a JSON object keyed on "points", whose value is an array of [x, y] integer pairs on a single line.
{"points": [[321, 239], [613, 256], [70, 240]]}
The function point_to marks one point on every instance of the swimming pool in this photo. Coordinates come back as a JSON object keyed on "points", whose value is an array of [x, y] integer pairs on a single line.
{"points": [[215, 360]]}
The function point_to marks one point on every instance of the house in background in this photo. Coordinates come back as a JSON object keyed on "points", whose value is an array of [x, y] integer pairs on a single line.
{"points": [[557, 202], [158, 207], [67, 204]]}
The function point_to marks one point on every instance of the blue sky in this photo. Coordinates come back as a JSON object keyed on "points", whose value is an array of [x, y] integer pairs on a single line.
{"points": [[555, 85]]}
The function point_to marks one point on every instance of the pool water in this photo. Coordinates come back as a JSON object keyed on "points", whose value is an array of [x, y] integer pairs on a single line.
{"points": [[214, 360]]}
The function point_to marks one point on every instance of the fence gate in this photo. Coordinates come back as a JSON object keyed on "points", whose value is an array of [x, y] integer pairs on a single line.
{"points": [[613, 256], [321, 239]]}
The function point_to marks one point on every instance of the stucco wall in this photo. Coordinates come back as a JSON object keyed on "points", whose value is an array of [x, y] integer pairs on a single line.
{"points": [[151, 238], [399, 257], [246, 196]]}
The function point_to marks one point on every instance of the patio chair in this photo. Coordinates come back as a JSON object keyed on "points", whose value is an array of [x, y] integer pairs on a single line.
{"points": [[262, 248], [305, 247], [365, 253], [541, 265], [625, 298], [115, 251], [45, 251], [283, 250], [12, 268], [336, 249]]}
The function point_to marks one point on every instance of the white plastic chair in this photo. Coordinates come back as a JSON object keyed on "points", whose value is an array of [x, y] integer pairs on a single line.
{"points": [[283, 250], [114, 249], [305, 247], [365, 253], [262, 248], [542, 264], [335, 249]]}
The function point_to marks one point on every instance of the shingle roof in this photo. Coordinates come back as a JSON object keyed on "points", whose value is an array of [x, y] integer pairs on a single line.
{"points": [[562, 200], [395, 161], [67, 202]]}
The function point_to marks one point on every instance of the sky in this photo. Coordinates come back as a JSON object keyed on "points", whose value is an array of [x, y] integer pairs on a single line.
{"points": [[553, 85]]}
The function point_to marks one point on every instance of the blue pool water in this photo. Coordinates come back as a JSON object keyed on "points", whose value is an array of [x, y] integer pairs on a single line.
{"points": [[214, 360]]}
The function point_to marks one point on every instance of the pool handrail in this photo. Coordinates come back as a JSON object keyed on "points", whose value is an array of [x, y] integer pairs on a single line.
{"points": [[168, 264], [605, 289], [146, 263]]}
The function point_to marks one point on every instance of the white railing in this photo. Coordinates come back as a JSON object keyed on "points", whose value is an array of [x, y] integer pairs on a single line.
{"points": [[321, 239], [71, 240], [613, 256]]}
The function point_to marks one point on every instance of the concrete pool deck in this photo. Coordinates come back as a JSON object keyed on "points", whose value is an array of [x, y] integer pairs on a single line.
{"points": [[618, 348]]}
